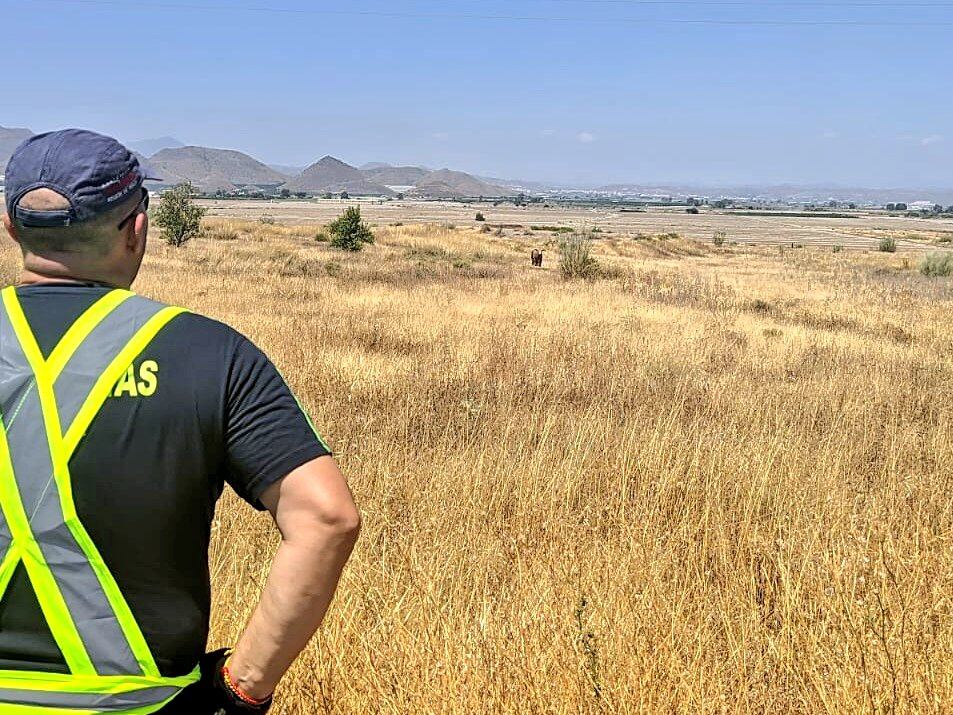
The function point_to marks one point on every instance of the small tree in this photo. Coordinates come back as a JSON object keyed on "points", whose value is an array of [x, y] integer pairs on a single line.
{"points": [[888, 244], [178, 215], [480, 217], [286, 193], [349, 232]]}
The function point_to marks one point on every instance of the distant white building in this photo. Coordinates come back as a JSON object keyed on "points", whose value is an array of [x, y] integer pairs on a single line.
{"points": [[921, 206]]}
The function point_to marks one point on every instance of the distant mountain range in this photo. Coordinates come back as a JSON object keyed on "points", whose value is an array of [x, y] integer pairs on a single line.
{"points": [[229, 171], [213, 170]]}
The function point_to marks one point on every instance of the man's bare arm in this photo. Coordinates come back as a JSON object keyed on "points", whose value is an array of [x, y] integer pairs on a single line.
{"points": [[319, 524]]}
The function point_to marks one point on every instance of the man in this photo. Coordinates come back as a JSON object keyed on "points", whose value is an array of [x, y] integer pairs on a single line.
{"points": [[121, 419]]}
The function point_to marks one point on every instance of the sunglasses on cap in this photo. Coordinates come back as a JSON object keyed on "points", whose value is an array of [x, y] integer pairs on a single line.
{"points": [[141, 207]]}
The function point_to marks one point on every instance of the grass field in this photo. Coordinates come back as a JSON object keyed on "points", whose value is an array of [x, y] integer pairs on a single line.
{"points": [[719, 480]]}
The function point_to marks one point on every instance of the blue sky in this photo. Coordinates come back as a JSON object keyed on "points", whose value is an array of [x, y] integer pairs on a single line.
{"points": [[587, 91]]}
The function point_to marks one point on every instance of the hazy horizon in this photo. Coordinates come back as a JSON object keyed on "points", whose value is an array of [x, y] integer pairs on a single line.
{"points": [[577, 92]]}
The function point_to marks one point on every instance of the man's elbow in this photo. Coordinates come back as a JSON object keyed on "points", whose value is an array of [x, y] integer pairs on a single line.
{"points": [[314, 504]]}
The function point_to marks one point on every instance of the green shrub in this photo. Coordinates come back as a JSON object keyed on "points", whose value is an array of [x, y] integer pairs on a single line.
{"points": [[267, 220], [937, 265], [349, 232], [480, 217], [322, 237], [178, 216], [575, 258], [838, 248], [719, 238], [888, 244]]}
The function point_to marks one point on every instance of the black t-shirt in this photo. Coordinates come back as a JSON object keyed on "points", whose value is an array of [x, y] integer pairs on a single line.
{"points": [[206, 407]]}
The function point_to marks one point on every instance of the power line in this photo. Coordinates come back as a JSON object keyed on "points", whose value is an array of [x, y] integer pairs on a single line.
{"points": [[512, 18]]}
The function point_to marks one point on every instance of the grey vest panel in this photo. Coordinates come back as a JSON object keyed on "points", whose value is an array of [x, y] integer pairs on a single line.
{"points": [[22, 413], [6, 538]]}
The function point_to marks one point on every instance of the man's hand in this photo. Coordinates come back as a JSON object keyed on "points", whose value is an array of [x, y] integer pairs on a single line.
{"points": [[211, 695], [319, 524]]}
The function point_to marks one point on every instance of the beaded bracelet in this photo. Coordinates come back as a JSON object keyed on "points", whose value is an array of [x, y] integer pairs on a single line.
{"points": [[237, 691]]}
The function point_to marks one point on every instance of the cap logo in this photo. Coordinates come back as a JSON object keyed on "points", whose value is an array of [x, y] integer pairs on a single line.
{"points": [[115, 190]]}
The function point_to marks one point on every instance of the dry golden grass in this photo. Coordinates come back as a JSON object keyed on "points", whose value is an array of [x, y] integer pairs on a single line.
{"points": [[720, 481]]}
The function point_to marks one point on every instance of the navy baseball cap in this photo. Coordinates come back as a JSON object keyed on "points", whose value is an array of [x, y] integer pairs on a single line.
{"points": [[92, 171]]}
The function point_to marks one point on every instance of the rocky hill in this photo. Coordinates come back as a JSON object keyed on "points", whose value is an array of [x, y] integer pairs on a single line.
{"points": [[450, 184], [331, 174], [212, 169]]}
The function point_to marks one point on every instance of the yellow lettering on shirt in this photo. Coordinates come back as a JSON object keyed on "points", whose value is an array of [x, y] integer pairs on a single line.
{"points": [[148, 378], [127, 384], [141, 381]]}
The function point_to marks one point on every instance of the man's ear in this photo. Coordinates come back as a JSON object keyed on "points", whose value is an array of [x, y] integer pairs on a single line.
{"points": [[11, 229], [140, 228]]}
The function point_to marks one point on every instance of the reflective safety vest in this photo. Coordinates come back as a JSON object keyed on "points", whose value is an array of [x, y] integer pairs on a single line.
{"points": [[47, 405]]}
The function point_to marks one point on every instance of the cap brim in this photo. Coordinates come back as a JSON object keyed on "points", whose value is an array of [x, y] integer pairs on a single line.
{"points": [[148, 173]]}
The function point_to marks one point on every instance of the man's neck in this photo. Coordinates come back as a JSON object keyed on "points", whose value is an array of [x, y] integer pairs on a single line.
{"points": [[64, 282], [39, 270]]}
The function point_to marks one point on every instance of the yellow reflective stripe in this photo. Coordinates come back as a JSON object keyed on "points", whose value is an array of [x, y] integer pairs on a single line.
{"points": [[81, 329], [24, 334], [47, 592], [38, 710], [107, 381], [35, 710], [64, 449], [105, 684], [9, 565]]}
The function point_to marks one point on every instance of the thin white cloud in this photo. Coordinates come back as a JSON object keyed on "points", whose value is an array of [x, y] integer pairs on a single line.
{"points": [[586, 137], [441, 136], [932, 139], [548, 133], [830, 134]]}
